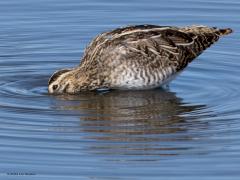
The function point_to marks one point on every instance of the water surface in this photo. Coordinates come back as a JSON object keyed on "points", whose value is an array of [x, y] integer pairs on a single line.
{"points": [[189, 130]]}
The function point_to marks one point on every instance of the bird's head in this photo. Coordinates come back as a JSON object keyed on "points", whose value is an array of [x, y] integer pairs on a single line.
{"points": [[60, 82]]}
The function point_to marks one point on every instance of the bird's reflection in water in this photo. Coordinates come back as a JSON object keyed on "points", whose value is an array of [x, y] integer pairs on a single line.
{"points": [[135, 122]]}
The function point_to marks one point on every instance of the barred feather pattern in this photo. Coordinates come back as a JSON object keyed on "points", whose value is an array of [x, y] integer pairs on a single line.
{"points": [[142, 56]]}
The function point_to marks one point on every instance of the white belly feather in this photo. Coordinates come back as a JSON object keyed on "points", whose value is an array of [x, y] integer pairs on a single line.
{"points": [[130, 79]]}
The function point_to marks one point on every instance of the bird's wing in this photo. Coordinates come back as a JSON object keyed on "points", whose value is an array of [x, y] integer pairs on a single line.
{"points": [[158, 47]]}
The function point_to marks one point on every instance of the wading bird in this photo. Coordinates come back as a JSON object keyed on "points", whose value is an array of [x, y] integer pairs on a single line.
{"points": [[135, 57]]}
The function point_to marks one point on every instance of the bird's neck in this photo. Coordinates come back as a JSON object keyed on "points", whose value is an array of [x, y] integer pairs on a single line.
{"points": [[86, 79]]}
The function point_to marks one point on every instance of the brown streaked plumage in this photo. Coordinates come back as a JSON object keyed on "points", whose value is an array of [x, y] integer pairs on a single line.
{"points": [[135, 57]]}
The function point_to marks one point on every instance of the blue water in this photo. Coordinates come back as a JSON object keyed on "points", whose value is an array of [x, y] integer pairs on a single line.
{"points": [[190, 130]]}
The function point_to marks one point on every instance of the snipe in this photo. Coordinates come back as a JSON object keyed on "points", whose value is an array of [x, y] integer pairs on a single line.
{"points": [[135, 57]]}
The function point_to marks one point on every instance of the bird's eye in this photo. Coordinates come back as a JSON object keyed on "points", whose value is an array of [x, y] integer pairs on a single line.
{"points": [[55, 87]]}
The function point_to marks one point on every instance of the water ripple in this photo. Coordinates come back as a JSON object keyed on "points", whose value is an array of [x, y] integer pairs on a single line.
{"points": [[190, 128]]}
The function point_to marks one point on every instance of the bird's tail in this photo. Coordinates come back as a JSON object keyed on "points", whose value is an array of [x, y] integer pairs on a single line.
{"points": [[223, 32], [204, 37], [204, 30]]}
